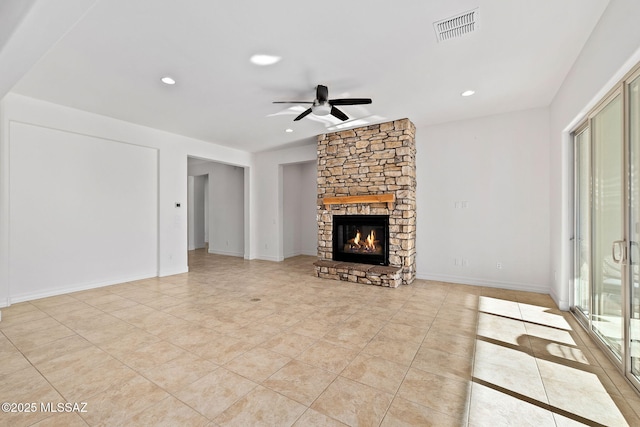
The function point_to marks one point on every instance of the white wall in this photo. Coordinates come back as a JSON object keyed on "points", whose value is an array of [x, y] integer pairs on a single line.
{"points": [[82, 209], [300, 225], [226, 211], [611, 51], [483, 199], [171, 179], [225, 208]]}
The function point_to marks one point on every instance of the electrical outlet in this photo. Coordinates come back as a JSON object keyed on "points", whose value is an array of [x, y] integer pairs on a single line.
{"points": [[499, 265]]}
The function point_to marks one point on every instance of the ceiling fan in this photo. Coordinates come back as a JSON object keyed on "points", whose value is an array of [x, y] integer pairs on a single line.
{"points": [[322, 105]]}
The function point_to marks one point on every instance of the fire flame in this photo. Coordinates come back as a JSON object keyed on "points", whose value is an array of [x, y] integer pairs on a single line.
{"points": [[370, 240], [368, 244]]}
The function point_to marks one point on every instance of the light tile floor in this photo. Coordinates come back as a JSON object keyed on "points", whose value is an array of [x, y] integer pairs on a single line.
{"points": [[248, 343]]}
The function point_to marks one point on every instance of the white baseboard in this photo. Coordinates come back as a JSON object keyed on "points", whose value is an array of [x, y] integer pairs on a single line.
{"points": [[165, 273], [73, 288], [227, 253], [269, 258], [562, 305], [514, 286], [292, 254]]}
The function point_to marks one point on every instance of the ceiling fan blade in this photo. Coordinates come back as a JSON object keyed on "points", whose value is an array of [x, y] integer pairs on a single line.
{"points": [[350, 101], [339, 114], [293, 102], [322, 93], [306, 112]]}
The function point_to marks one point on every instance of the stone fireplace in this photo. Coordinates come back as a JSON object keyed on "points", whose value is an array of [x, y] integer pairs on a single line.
{"points": [[367, 172]]}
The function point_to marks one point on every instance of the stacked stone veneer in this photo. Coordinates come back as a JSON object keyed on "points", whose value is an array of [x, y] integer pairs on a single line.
{"points": [[376, 159]]}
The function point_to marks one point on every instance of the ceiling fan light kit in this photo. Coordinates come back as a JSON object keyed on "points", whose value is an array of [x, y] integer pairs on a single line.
{"points": [[323, 106], [321, 110]]}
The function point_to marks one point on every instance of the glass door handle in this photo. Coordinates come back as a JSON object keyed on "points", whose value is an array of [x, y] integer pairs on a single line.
{"points": [[619, 255], [633, 249]]}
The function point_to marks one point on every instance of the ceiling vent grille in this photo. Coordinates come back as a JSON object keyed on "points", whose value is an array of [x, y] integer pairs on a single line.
{"points": [[456, 26]]}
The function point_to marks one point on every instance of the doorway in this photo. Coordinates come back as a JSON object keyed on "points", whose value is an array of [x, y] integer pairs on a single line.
{"points": [[299, 189], [197, 200], [217, 213]]}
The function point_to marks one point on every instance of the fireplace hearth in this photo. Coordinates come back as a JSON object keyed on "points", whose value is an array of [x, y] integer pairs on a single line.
{"points": [[361, 238]]}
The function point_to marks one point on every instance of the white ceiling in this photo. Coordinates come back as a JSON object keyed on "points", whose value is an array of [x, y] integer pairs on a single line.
{"points": [[111, 61]]}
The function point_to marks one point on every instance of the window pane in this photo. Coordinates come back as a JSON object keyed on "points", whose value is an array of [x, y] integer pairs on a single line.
{"points": [[634, 226], [606, 128], [583, 222]]}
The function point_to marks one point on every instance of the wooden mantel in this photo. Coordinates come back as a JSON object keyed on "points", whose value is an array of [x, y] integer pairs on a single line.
{"points": [[389, 199]]}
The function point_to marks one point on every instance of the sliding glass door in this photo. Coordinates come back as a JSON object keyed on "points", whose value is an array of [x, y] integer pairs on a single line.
{"points": [[633, 91], [607, 225]]}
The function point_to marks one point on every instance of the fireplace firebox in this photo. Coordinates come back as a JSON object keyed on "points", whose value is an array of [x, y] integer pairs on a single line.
{"points": [[361, 238]]}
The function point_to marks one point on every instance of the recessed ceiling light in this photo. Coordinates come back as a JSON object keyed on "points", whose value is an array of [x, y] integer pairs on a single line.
{"points": [[262, 59], [288, 130], [168, 80], [468, 92]]}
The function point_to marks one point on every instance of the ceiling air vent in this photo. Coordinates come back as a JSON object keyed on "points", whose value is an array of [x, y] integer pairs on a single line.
{"points": [[457, 26]]}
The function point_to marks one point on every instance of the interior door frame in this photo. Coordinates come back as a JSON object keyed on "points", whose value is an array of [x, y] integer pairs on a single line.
{"points": [[575, 247]]}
